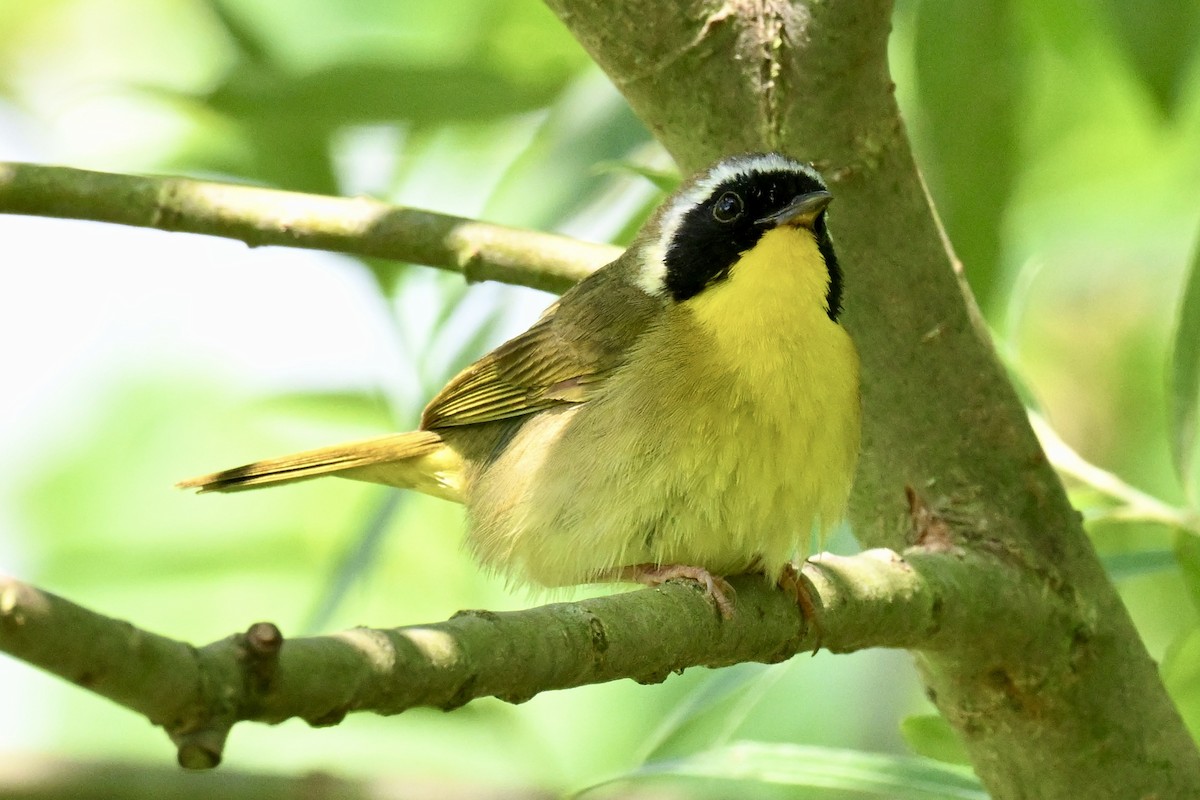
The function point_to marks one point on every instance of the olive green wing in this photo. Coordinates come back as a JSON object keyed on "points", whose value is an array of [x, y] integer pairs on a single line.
{"points": [[563, 358]]}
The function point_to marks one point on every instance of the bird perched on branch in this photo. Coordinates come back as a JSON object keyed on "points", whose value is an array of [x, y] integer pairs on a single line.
{"points": [[689, 410]]}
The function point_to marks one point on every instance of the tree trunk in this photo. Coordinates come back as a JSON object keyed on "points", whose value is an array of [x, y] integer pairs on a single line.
{"points": [[1072, 708]]}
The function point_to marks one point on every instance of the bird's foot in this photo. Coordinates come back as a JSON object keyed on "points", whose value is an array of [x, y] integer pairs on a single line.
{"points": [[796, 586], [716, 587]]}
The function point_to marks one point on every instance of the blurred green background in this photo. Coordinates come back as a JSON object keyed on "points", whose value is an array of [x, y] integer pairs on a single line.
{"points": [[1060, 140]]}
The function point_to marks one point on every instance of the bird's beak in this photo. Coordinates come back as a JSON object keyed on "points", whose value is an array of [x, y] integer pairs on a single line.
{"points": [[801, 212]]}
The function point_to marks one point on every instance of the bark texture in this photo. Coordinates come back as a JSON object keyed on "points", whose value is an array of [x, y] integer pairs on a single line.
{"points": [[1067, 709], [196, 694], [356, 225], [1021, 639]]}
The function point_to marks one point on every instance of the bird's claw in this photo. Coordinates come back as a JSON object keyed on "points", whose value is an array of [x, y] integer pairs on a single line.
{"points": [[716, 587], [796, 586]]}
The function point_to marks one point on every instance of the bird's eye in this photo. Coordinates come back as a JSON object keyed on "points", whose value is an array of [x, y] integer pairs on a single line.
{"points": [[728, 207]]}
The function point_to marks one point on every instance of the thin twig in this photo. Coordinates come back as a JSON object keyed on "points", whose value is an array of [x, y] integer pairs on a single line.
{"points": [[358, 226], [1137, 506]]}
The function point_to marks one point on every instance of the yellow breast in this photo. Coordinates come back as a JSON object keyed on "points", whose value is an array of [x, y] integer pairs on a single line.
{"points": [[768, 322], [729, 437]]}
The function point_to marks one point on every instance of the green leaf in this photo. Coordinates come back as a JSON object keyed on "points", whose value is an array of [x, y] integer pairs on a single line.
{"points": [[1159, 42], [636, 219], [869, 774], [466, 348], [665, 181], [555, 179], [385, 273], [349, 93], [1184, 390], [245, 39], [971, 50], [1187, 556], [743, 681], [1181, 674], [453, 292], [283, 122], [356, 562], [931, 736], [1120, 566], [365, 408]]}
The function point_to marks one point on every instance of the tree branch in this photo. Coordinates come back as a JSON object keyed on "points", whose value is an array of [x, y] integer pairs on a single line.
{"points": [[1137, 506], [811, 78], [356, 226], [1061, 704], [926, 599]]}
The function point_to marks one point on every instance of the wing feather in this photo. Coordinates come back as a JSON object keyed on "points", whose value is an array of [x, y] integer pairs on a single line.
{"points": [[564, 358]]}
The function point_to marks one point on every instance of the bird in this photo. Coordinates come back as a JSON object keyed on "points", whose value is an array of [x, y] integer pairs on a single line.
{"points": [[689, 410]]}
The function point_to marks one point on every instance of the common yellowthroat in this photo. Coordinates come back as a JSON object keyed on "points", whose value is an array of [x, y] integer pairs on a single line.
{"points": [[689, 410]]}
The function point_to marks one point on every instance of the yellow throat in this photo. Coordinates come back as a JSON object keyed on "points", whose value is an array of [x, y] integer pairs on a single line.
{"points": [[768, 322]]}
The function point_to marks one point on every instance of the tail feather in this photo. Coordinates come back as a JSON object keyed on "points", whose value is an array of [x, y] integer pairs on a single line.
{"points": [[418, 460]]}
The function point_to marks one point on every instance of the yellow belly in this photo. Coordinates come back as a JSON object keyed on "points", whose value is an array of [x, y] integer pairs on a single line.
{"points": [[730, 440]]}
